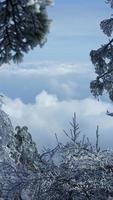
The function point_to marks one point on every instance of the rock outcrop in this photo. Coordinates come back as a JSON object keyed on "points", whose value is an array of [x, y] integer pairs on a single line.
{"points": [[18, 161]]}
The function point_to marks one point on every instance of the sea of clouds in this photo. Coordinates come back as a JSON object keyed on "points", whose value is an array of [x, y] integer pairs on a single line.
{"points": [[44, 97]]}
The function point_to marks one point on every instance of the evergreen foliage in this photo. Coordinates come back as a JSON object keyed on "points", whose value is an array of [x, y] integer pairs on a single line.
{"points": [[102, 59], [24, 24]]}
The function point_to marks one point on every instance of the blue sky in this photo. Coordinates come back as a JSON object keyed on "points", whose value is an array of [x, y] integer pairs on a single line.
{"points": [[52, 83], [74, 31]]}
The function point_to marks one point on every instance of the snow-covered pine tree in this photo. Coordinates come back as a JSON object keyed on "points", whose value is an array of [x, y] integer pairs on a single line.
{"points": [[24, 24], [102, 59]]}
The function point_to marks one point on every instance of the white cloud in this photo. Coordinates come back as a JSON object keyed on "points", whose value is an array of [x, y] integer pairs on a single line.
{"points": [[49, 115], [66, 80], [44, 68]]}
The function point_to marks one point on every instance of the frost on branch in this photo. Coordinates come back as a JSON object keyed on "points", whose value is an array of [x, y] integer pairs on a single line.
{"points": [[107, 26], [103, 62], [102, 59], [111, 2], [83, 170], [24, 24], [76, 170]]}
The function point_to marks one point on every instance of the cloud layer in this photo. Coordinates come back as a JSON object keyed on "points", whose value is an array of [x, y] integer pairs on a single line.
{"points": [[66, 80], [44, 96], [49, 115]]}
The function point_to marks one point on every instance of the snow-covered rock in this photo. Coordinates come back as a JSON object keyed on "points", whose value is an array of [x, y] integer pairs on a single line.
{"points": [[18, 160]]}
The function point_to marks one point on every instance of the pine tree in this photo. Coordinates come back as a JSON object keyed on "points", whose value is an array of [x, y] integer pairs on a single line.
{"points": [[102, 59], [24, 24]]}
